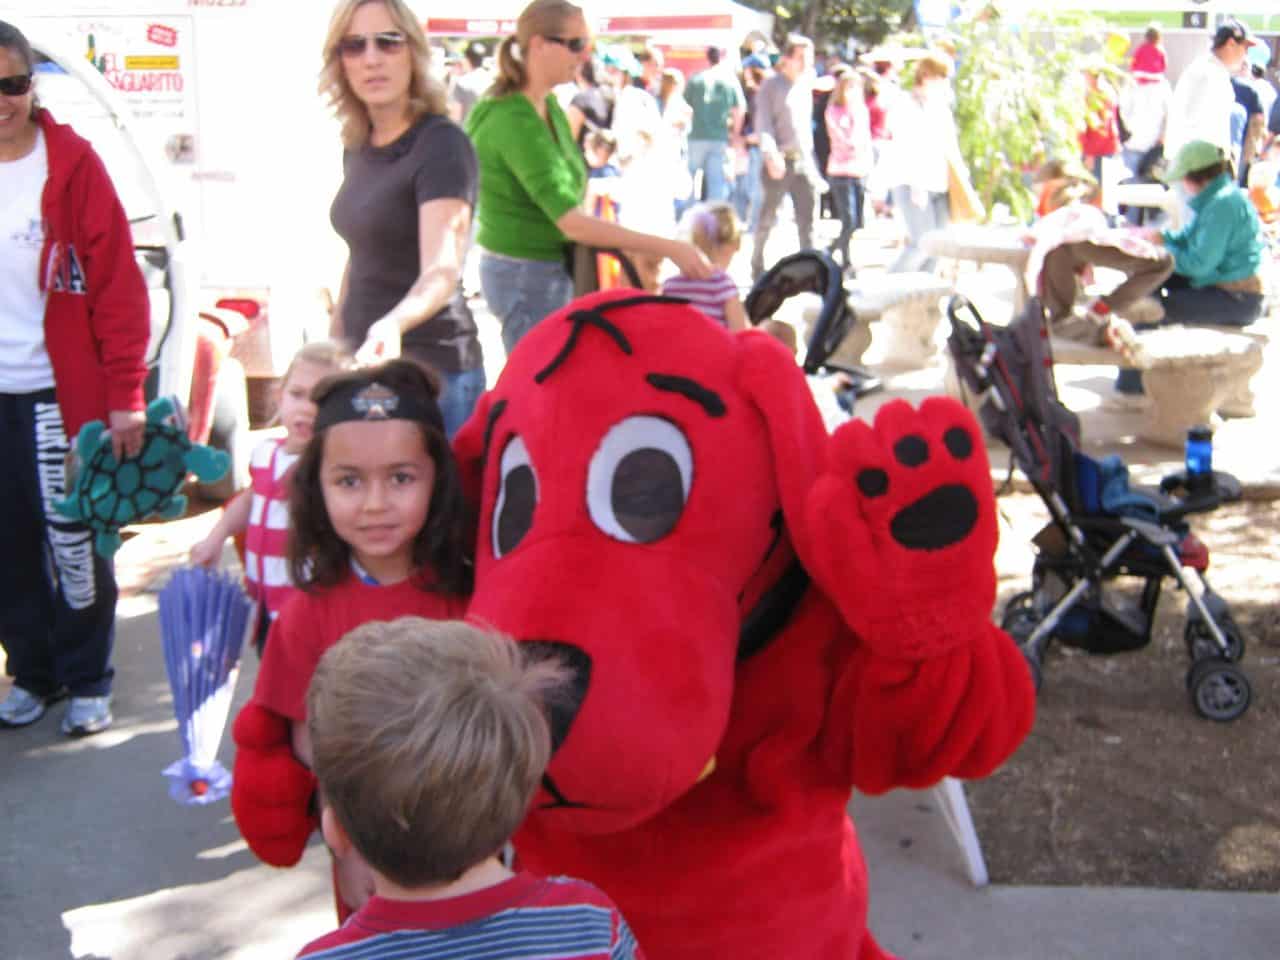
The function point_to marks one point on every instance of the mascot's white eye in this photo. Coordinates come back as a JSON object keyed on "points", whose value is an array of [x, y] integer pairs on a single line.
{"points": [[639, 480], [517, 496]]}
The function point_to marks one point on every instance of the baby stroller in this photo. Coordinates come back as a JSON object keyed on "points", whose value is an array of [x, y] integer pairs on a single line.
{"points": [[811, 271], [1104, 555]]}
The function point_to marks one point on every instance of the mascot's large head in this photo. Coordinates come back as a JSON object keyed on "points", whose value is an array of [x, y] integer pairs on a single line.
{"points": [[635, 467]]}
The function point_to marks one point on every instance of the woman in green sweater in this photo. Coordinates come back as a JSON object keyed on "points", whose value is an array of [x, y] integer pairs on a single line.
{"points": [[532, 176]]}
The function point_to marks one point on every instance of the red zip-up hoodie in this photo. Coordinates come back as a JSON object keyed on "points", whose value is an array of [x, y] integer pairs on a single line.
{"points": [[97, 317]]}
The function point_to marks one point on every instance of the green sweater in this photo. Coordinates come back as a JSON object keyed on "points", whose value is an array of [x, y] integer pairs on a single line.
{"points": [[1223, 241], [529, 178]]}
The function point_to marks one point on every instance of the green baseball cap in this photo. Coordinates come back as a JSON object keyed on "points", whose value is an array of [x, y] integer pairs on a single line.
{"points": [[1194, 155]]}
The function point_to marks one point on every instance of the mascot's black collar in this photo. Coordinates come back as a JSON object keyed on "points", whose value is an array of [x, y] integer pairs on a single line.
{"points": [[772, 611]]}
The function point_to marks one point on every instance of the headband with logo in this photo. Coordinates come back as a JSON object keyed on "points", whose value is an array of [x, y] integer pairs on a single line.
{"points": [[374, 401]]}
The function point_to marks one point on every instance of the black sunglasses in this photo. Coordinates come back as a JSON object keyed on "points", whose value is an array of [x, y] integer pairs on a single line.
{"points": [[574, 44], [354, 44], [16, 85]]}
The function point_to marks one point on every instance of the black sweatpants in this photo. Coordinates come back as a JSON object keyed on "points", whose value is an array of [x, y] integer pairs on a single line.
{"points": [[57, 595]]}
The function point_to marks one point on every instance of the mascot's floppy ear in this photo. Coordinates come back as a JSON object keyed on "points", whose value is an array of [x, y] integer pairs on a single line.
{"points": [[773, 382], [468, 450]]}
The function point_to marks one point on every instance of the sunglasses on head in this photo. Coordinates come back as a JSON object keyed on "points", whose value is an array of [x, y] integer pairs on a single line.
{"points": [[353, 45], [16, 85], [574, 44]]}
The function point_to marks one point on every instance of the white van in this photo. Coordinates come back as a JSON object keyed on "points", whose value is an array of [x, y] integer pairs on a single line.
{"points": [[207, 117]]}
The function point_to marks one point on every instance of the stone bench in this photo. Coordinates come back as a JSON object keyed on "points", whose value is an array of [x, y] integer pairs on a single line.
{"points": [[1191, 375], [906, 307]]}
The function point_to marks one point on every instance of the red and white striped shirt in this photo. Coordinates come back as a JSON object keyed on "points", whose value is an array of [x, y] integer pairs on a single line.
{"points": [[709, 295], [266, 568]]}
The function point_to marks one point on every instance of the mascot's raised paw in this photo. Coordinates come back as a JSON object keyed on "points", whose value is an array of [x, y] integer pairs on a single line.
{"points": [[903, 528]]}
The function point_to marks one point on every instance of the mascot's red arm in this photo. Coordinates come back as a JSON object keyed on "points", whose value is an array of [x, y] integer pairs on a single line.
{"points": [[901, 528]]}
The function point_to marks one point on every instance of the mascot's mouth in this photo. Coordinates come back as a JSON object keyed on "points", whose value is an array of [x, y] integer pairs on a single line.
{"points": [[937, 520], [562, 708]]}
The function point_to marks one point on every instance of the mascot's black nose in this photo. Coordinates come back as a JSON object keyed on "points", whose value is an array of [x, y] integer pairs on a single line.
{"points": [[936, 520], [563, 707]]}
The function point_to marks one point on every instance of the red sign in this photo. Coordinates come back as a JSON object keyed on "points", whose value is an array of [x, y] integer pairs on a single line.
{"points": [[162, 35]]}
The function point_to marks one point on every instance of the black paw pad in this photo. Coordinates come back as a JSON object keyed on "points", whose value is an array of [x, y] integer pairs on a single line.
{"points": [[958, 442], [911, 451], [873, 482], [938, 519]]}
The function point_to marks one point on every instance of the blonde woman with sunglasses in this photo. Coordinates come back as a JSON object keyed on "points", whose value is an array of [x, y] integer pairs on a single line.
{"points": [[404, 206], [533, 178], [74, 322]]}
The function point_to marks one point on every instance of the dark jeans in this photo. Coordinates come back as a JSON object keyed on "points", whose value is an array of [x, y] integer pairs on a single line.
{"points": [[846, 198], [798, 182], [1200, 305], [57, 595]]}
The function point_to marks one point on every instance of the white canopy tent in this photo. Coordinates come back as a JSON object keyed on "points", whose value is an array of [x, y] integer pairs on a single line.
{"points": [[670, 22]]}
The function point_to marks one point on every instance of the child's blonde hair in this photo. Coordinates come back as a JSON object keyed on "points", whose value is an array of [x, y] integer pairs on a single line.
{"points": [[711, 226], [429, 740], [329, 354]]}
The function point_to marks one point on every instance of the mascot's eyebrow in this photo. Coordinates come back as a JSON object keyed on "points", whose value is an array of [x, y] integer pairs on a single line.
{"points": [[706, 398], [498, 410], [595, 317]]}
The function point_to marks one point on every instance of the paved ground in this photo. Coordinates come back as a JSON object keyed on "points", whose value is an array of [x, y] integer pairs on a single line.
{"points": [[97, 862]]}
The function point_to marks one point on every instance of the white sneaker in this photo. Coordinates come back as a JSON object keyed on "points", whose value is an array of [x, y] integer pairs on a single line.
{"points": [[21, 707], [86, 715]]}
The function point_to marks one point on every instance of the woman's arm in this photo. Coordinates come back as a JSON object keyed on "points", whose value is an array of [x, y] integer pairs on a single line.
{"points": [[587, 230], [443, 231], [576, 119]]}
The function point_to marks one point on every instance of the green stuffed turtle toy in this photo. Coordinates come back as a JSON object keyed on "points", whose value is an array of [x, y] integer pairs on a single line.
{"points": [[107, 494]]}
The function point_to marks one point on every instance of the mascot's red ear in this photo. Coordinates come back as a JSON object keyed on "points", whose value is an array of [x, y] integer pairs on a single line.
{"points": [[468, 450], [772, 380]]}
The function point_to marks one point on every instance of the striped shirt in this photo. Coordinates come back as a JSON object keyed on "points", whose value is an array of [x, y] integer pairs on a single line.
{"points": [[709, 295], [523, 918], [266, 568]]}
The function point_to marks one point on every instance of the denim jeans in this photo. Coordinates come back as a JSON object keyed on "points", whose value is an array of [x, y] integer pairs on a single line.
{"points": [[522, 292], [711, 157], [459, 396], [1200, 305], [846, 199], [934, 215]]}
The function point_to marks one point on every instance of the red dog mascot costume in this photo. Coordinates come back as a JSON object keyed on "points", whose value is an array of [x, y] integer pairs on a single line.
{"points": [[759, 618]]}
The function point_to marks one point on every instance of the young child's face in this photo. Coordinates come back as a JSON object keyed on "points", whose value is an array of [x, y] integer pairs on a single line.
{"points": [[377, 479], [297, 412], [597, 157]]}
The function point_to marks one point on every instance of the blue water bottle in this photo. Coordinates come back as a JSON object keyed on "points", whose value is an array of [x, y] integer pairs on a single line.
{"points": [[1199, 457]]}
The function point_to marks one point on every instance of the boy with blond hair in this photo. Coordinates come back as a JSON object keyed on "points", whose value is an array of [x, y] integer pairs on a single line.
{"points": [[429, 740]]}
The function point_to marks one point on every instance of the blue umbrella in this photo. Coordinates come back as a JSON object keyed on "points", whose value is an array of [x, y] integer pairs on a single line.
{"points": [[203, 619]]}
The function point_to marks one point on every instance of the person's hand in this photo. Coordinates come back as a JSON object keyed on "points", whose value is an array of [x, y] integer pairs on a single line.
{"points": [[775, 166], [692, 261], [381, 343], [208, 551], [126, 428]]}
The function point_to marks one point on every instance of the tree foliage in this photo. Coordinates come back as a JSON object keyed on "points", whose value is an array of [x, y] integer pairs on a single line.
{"points": [[832, 23], [1021, 97]]}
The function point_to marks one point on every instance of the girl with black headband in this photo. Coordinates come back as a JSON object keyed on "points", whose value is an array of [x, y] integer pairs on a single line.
{"points": [[380, 531]]}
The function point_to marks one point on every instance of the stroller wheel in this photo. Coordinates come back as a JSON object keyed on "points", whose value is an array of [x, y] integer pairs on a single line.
{"points": [[1018, 611], [1202, 646], [1219, 690]]}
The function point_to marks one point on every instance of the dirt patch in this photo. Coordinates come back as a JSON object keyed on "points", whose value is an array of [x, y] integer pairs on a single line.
{"points": [[1120, 781]]}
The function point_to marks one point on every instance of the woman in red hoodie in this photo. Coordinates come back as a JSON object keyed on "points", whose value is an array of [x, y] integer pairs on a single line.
{"points": [[73, 337]]}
